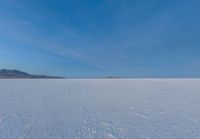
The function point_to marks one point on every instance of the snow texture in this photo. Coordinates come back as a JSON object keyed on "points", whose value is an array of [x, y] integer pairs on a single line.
{"points": [[100, 109]]}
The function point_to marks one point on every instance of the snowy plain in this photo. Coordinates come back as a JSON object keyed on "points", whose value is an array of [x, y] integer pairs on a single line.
{"points": [[100, 109]]}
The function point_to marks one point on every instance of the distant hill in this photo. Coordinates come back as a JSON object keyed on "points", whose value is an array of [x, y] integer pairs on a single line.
{"points": [[112, 77], [16, 74]]}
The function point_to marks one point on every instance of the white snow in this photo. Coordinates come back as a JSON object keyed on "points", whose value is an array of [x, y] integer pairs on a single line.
{"points": [[100, 109]]}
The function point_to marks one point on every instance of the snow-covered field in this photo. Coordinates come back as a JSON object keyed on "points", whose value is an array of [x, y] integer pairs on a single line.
{"points": [[100, 109]]}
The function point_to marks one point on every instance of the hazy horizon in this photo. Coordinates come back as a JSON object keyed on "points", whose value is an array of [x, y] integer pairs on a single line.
{"points": [[99, 38]]}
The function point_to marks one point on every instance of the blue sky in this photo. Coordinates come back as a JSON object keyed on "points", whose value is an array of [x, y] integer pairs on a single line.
{"points": [[95, 38]]}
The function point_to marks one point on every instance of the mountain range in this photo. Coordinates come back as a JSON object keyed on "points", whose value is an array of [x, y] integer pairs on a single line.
{"points": [[16, 74]]}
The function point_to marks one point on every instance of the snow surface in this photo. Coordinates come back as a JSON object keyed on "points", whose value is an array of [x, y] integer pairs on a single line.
{"points": [[100, 109]]}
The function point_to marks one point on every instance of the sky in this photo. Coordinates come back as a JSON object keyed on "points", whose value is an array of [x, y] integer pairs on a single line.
{"points": [[98, 38]]}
